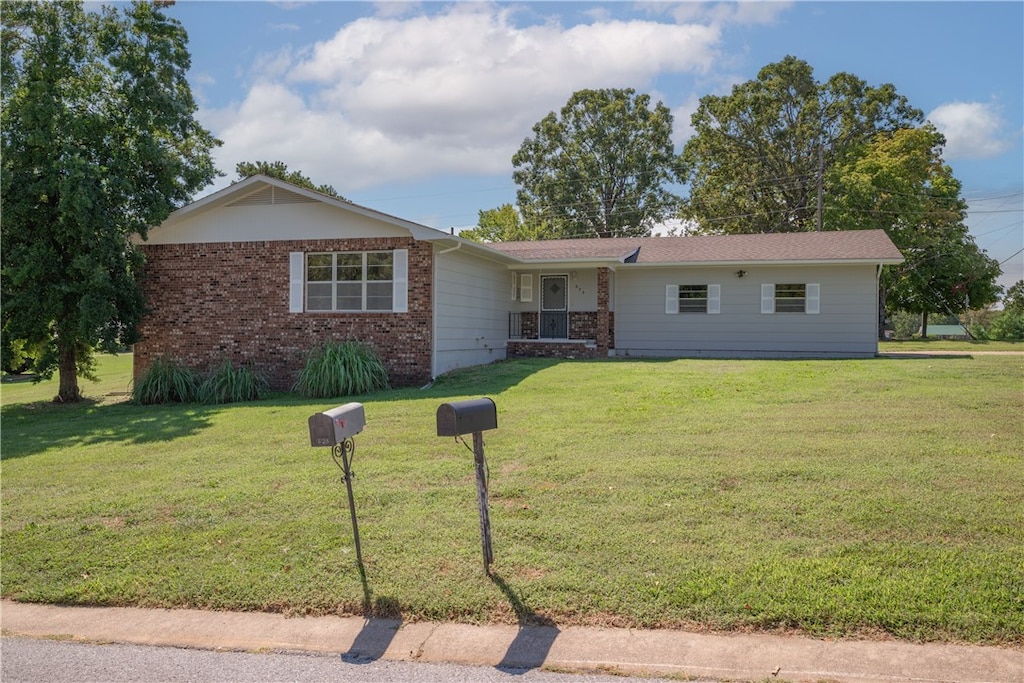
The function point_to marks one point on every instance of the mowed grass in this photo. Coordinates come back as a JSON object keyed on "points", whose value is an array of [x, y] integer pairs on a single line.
{"points": [[853, 498]]}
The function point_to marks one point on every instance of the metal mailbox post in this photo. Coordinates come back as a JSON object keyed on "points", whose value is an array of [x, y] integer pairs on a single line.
{"points": [[473, 416], [335, 428]]}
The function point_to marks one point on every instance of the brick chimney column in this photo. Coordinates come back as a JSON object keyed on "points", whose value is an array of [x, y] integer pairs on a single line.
{"points": [[603, 316]]}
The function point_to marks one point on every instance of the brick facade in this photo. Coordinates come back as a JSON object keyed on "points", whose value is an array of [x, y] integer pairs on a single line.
{"points": [[582, 325], [546, 349], [215, 301]]}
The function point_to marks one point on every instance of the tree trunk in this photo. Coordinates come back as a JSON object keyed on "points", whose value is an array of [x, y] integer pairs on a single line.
{"points": [[68, 372], [924, 325]]}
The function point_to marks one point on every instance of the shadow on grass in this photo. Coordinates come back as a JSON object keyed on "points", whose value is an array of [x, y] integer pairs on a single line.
{"points": [[30, 428], [492, 378], [534, 639]]}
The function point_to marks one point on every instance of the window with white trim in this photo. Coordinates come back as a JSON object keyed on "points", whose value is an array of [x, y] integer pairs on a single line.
{"points": [[790, 298], [693, 299], [350, 281]]}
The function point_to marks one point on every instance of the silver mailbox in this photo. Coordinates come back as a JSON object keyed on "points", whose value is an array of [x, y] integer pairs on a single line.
{"points": [[337, 424]]}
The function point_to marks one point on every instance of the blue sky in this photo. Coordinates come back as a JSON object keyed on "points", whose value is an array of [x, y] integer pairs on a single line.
{"points": [[415, 109]]}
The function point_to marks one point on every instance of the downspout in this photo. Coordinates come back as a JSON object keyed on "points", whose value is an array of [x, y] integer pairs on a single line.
{"points": [[879, 306]]}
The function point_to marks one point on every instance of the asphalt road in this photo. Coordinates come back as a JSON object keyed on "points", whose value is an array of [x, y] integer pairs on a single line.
{"points": [[28, 660]]}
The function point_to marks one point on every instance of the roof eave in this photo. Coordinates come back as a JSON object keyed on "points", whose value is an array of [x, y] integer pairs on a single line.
{"points": [[570, 262], [788, 262], [241, 188]]}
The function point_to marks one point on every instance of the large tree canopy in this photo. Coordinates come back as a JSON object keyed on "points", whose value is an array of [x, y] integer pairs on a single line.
{"points": [[600, 167], [898, 182], [785, 153], [279, 170], [99, 142], [753, 162]]}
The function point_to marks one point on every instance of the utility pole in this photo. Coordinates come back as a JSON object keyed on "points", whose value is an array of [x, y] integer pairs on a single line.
{"points": [[821, 174]]}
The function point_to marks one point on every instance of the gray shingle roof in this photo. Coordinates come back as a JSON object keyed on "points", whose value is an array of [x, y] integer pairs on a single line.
{"points": [[855, 245]]}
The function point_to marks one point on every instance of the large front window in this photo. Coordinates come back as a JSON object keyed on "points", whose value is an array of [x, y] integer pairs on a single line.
{"points": [[350, 281]]}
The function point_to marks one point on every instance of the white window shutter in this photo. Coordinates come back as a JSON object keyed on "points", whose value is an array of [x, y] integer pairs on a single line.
{"points": [[515, 286], [714, 299], [767, 299], [526, 288], [400, 282], [671, 299], [296, 280], [813, 301]]}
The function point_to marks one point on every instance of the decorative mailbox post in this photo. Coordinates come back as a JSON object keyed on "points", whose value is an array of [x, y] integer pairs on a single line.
{"points": [[335, 428], [473, 416]]}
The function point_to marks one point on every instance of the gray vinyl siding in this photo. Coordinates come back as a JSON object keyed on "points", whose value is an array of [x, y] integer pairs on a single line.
{"points": [[845, 327], [471, 304]]}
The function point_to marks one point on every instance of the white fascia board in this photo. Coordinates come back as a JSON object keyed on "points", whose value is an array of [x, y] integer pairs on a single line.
{"points": [[815, 262], [546, 264]]}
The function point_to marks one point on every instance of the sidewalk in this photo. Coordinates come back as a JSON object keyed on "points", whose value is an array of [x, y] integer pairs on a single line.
{"points": [[661, 653]]}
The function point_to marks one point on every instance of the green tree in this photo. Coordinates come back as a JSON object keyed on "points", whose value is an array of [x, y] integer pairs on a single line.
{"points": [[279, 170], [504, 224], [1013, 300], [600, 167], [99, 142], [953, 281], [899, 182], [754, 161], [1009, 322]]}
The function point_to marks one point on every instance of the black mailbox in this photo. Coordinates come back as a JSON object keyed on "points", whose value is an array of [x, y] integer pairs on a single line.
{"points": [[337, 424], [466, 417]]}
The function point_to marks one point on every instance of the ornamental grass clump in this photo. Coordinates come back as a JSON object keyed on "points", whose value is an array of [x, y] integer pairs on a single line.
{"points": [[336, 369], [228, 384], [166, 381]]}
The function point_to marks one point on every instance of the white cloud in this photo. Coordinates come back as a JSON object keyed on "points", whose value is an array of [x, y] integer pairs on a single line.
{"points": [[392, 98], [276, 124], [744, 13], [973, 130]]}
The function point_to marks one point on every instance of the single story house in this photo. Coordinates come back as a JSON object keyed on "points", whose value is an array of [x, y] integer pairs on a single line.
{"points": [[262, 270]]}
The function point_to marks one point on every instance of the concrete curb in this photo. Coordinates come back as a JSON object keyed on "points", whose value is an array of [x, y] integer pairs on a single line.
{"points": [[675, 653]]}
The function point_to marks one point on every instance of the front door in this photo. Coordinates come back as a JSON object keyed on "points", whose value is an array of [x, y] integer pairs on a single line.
{"points": [[554, 307]]}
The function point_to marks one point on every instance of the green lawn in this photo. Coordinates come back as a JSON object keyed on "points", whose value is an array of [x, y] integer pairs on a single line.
{"points": [[840, 498], [946, 345]]}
